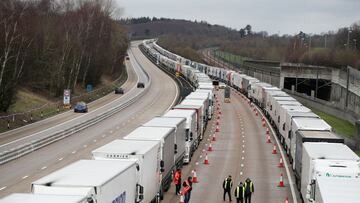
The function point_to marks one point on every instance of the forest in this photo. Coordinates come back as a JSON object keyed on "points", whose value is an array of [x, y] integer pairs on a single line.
{"points": [[52, 45]]}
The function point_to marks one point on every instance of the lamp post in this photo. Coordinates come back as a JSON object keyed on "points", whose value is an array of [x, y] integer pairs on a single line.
{"points": [[348, 39]]}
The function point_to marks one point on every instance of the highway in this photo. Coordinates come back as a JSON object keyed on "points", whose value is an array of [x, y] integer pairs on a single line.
{"points": [[160, 96], [240, 150]]}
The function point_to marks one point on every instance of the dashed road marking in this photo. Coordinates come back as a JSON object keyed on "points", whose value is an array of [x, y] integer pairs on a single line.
{"points": [[3, 188], [243, 146], [242, 165], [241, 173], [243, 151], [24, 177], [242, 158], [85, 146], [73, 152], [110, 131], [103, 136], [44, 167], [243, 141]]}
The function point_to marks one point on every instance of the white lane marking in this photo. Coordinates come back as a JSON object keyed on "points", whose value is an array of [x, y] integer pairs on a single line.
{"points": [[61, 158], [241, 173], [44, 167], [291, 183], [73, 152], [110, 131], [243, 146], [103, 136], [85, 146], [243, 151], [3, 188], [242, 165], [176, 95], [243, 141], [24, 177], [94, 140]]}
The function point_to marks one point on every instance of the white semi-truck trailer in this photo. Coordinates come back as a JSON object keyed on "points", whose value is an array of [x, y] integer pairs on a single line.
{"points": [[191, 130], [166, 136], [180, 135], [100, 181], [146, 154], [328, 160]]}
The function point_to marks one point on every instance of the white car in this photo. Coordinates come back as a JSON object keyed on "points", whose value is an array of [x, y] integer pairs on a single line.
{"points": [[222, 85]]}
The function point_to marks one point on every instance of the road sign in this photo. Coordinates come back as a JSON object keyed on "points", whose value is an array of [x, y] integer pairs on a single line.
{"points": [[67, 97]]}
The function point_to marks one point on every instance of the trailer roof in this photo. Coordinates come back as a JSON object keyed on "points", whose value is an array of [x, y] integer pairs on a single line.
{"points": [[180, 113], [40, 198], [296, 108], [86, 173], [333, 150], [318, 134], [165, 122], [150, 133], [289, 103], [193, 102], [127, 147], [304, 123], [284, 98], [301, 113], [278, 93], [187, 106], [335, 190]]}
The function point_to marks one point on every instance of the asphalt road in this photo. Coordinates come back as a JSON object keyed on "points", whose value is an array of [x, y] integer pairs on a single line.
{"points": [[240, 150], [17, 175]]}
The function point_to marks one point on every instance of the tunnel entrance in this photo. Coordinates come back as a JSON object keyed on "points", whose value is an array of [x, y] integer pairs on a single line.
{"points": [[305, 85]]}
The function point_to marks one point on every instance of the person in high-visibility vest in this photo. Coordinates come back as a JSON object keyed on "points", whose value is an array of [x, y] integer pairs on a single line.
{"points": [[177, 181], [249, 189], [187, 189], [240, 193], [227, 185]]}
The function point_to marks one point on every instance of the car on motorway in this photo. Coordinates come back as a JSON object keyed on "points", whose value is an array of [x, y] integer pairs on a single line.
{"points": [[81, 107], [222, 85], [140, 85], [119, 90]]}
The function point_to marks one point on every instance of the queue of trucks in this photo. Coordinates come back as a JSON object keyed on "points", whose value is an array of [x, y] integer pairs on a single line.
{"points": [[139, 167], [319, 158]]}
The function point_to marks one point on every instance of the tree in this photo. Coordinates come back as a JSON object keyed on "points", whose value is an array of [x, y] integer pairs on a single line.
{"points": [[248, 30], [242, 32]]}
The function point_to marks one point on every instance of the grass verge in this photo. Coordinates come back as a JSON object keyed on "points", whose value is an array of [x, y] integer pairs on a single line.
{"points": [[339, 125]]}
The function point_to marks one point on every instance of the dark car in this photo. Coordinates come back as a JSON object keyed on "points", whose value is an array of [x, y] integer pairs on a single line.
{"points": [[81, 107], [119, 90], [140, 85]]}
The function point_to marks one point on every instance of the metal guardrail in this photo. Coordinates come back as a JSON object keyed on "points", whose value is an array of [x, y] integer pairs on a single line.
{"points": [[39, 143]]}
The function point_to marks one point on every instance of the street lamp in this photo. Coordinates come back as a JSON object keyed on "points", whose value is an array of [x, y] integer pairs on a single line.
{"points": [[354, 42], [348, 39]]}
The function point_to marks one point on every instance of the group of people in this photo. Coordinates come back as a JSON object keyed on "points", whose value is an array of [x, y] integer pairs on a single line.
{"points": [[242, 191], [187, 186]]}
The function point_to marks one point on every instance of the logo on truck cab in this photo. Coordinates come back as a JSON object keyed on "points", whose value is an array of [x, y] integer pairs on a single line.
{"points": [[120, 199]]}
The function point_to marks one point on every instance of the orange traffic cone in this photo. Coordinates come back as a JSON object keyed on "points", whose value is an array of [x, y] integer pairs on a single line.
{"points": [[182, 198], [267, 131], [218, 108], [263, 124], [217, 121], [206, 160], [219, 112], [194, 178], [210, 147], [217, 129], [274, 150], [256, 113], [214, 137], [281, 183], [281, 164], [263, 119], [287, 200], [268, 139]]}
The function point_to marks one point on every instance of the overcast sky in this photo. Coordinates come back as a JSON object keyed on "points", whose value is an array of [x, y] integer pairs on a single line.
{"points": [[273, 16]]}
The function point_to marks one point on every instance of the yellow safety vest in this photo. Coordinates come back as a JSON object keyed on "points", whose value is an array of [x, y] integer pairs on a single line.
{"points": [[251, 188], [237, 193]]}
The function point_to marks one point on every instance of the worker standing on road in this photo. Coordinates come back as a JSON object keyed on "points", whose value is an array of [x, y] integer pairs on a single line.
{"points": [[227, 185], [249, 189], [177, 181], [187, 189], [240, 193]]}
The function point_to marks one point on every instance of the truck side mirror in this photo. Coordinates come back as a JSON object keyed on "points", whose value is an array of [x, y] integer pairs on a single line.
{"points": [[90, 200], [175, 148], [140, 193], [191, 136], [162, 165]]}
